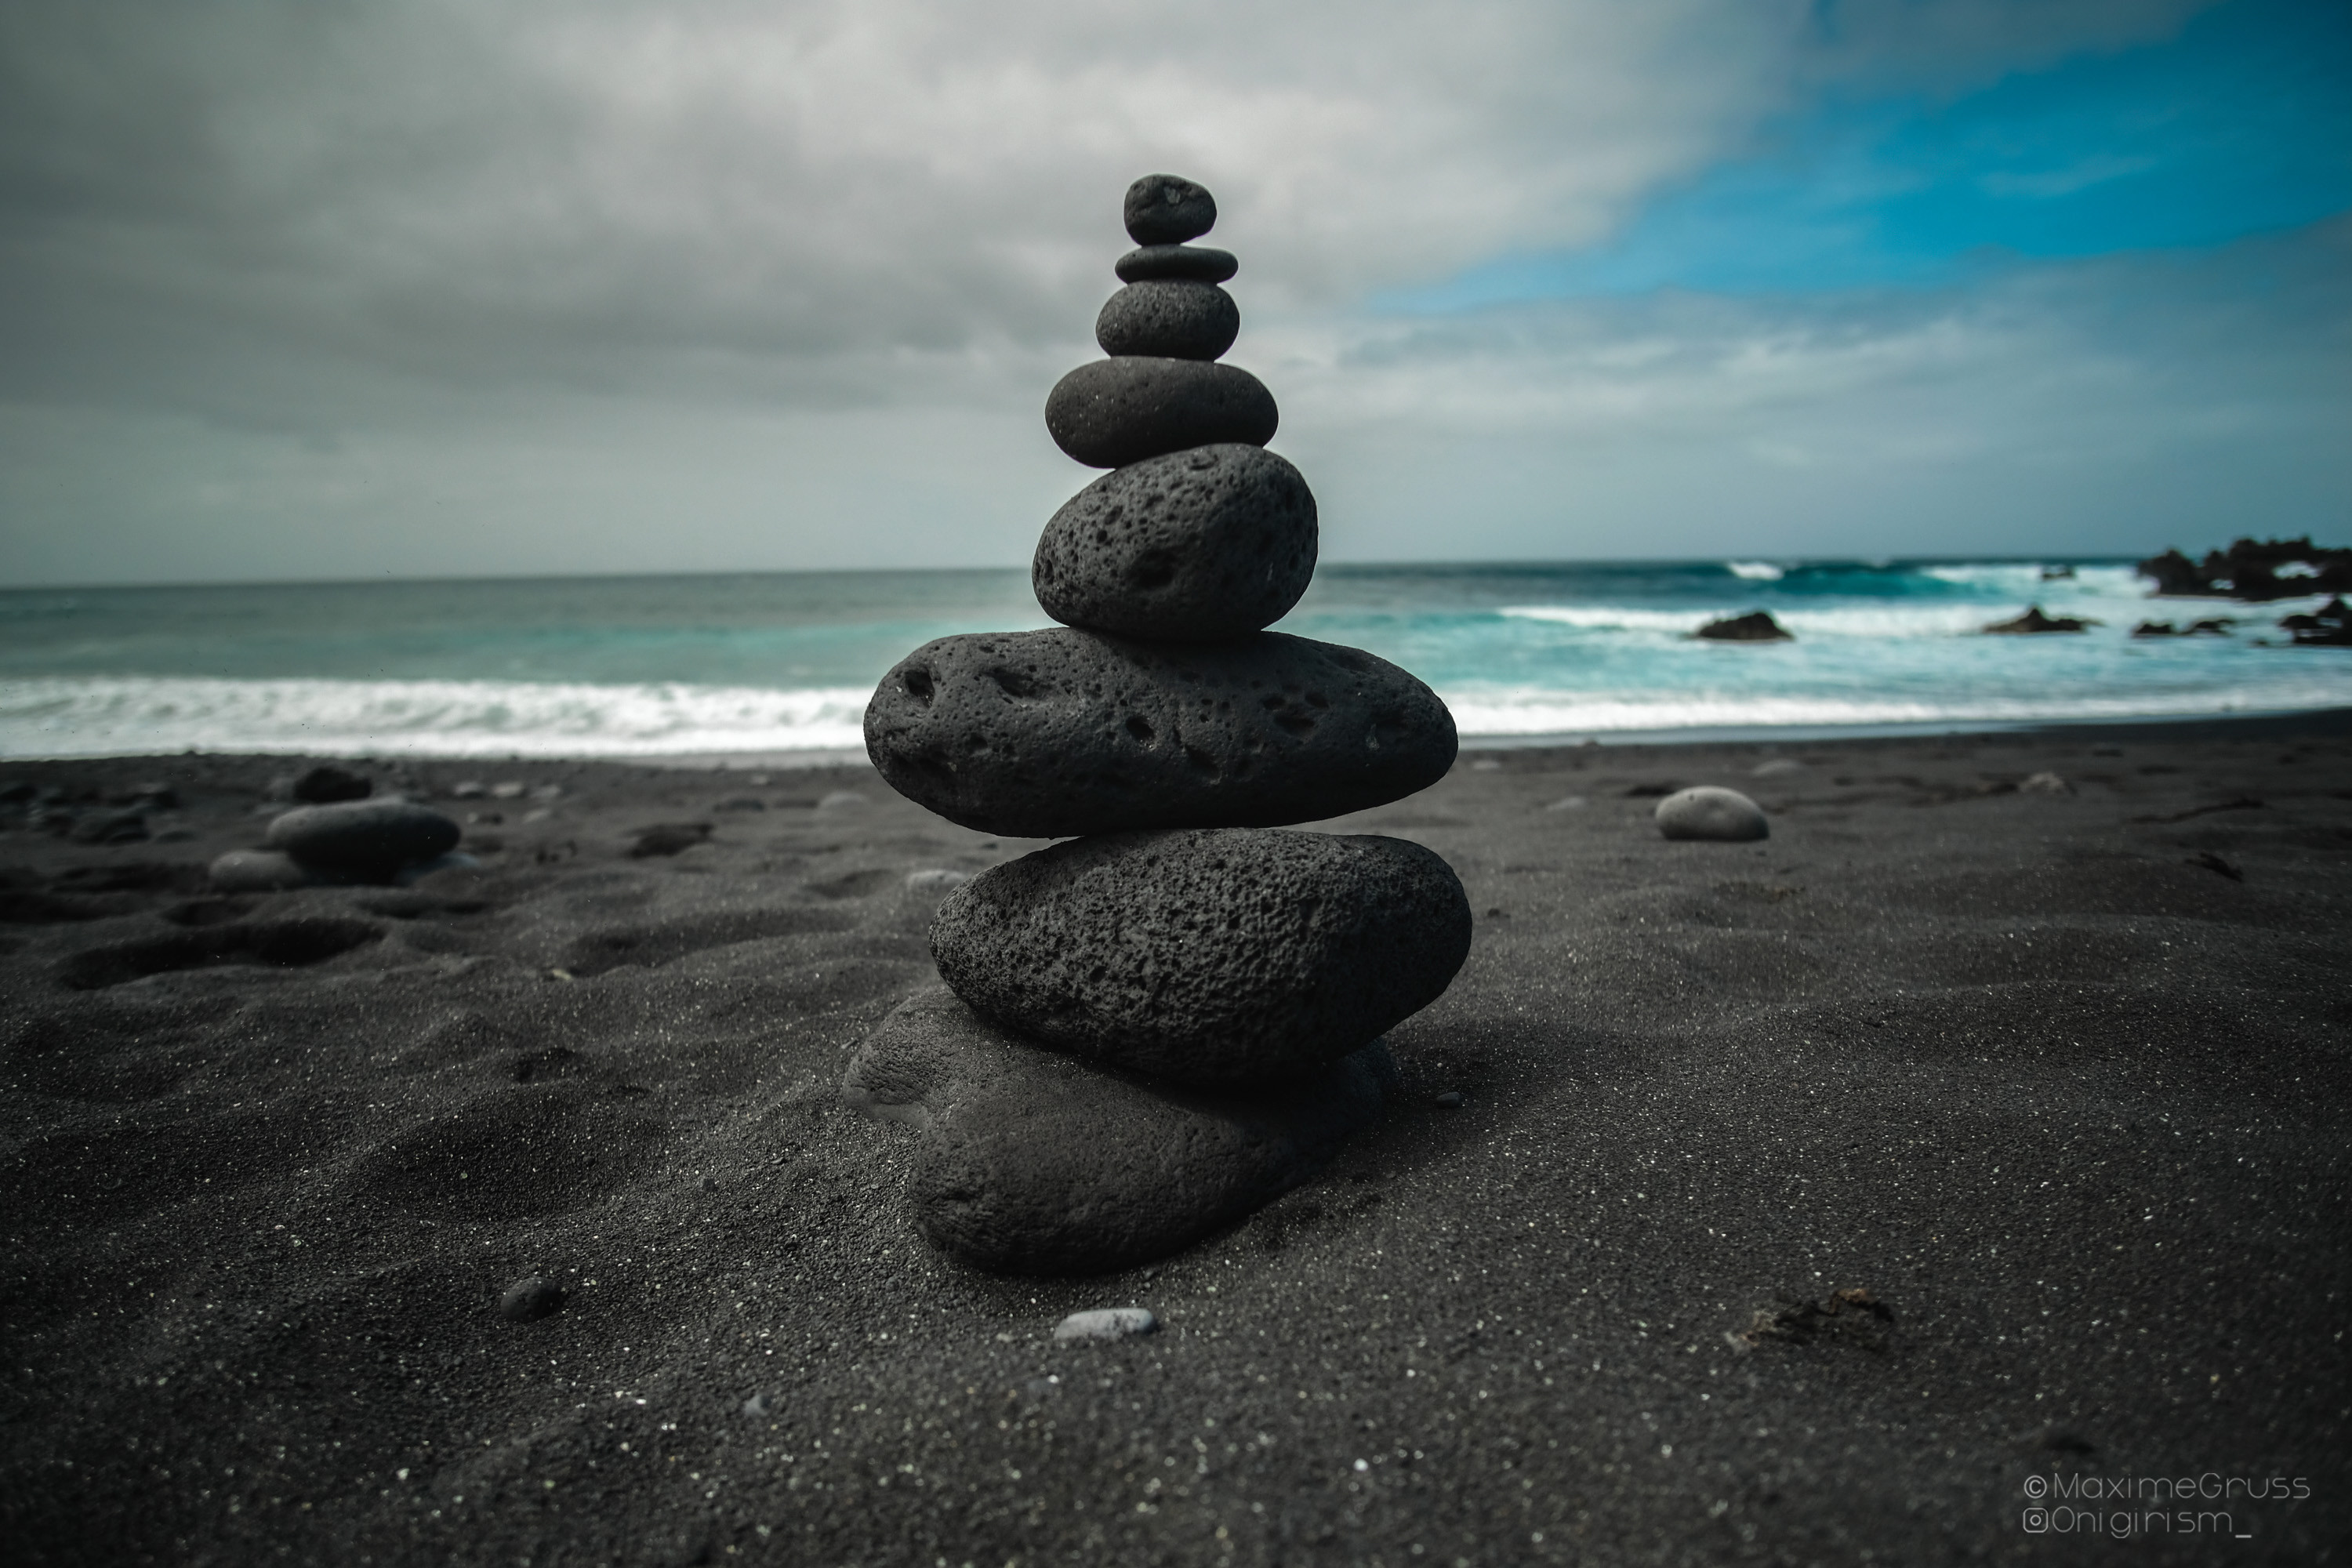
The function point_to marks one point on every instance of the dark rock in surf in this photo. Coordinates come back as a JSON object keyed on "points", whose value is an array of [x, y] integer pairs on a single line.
{"points": [[1062, 732], [2033, 622], [1193, 263], [1119, 411], [1032, 1162], [1756, 625], [1219, 958], [1166, 209], [370, 840], [1213, 543], [1170, 319]]}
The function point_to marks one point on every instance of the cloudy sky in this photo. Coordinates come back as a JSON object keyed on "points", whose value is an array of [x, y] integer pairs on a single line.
{"points": [[309, 289]]}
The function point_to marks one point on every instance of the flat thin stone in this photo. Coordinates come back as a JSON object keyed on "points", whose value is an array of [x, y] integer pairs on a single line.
{"points": [[1197, 263], [1217, 958], [1708, 811], [1032, 1162], [364, 838], [1118, 411], [1172, 320], [1050, 734], [1167, 209], [1200, 545]]}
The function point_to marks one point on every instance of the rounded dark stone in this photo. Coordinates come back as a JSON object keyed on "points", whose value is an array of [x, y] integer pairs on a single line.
{"points": [[1218, 958], [324, 784], [1050, 734], [1216, 542], [365, 839], [1189, 263], [1709, 811], [258, 871], [1119, 411], [532, 1298], [1169, 319], [1032, 1162], [1167, 209]]}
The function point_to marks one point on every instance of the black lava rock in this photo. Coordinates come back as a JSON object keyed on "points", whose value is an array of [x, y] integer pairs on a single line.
{"points": [[1756, 625], [529, 1299], [1050, 734], [1213, 543], [370, 840], [1197, 264], [325, 786], [1172, 320], [1035, 1163], [1119, 411], [1166, 209], [1219, 958]]}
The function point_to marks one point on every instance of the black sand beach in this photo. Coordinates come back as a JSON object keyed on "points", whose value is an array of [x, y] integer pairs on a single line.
{"points": [[1807, 1202]]}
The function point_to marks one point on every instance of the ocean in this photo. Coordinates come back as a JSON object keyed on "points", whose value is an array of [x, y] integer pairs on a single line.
{"points": [[781, 664]]}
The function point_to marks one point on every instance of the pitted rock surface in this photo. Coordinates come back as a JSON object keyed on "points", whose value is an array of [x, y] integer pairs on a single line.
{"points": [[1197, 263], [1032, 1162], [368, 839], [1219, 958], [1172, 320], [1708, 811], [1050, 734], [1167, 209], [1213, 543], [1119, 411]]}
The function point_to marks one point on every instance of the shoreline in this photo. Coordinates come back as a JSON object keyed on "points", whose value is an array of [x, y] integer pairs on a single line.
{"points": [[1806, 1200]]}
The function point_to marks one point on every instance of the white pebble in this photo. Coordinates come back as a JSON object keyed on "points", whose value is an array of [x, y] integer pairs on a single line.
{"points": [[937, 878], [840, 798], [1105, 1324], [2045, 784]]}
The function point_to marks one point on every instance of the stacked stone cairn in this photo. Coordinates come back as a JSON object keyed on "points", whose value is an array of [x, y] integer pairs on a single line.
{"points": [[1152, 1028]]}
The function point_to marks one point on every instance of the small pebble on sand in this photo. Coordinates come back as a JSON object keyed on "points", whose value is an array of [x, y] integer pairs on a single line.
{"points": [[1708, 811], [1105, 1324], [1776, 768], [532, 1298], [1450, 1100], [936, 880], [2045, 784], [760, 1407], [1569, 802], [841, 799]]}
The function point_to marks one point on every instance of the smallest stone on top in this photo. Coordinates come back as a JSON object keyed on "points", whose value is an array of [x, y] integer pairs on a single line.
{"points": [[1166, 209]]}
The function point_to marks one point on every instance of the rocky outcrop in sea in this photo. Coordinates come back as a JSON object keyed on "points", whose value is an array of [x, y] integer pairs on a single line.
{"points": [[1176, 1014]]}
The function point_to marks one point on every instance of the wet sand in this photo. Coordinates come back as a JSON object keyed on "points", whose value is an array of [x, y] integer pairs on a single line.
{"points": [[1806, 1201]]}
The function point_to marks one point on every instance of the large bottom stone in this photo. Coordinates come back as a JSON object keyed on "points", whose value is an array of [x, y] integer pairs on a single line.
{"points": [[1035, 1163], [1215, 957]]}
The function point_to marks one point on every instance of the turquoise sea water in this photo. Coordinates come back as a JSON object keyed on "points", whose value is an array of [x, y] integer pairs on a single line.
{"points": [[784, 662]]}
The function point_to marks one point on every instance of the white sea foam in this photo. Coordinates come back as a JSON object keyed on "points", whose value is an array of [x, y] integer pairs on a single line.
{"points": [[1755, 570], [1531, 711], [126, 716]]}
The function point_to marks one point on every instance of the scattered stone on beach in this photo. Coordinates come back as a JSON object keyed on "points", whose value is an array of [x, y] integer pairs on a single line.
{"points": [[532, 1298], [468, 789], [1569, 802], [258, 871], [1210, 543], [1712, 812], [368, 840], [1776, 768], [1049, 733], [325, 784], [109, 828], [1113, 412], [1170, 317], [664, 839], [2212, 862], [936, 880], [1167, 209], [2045, 784], [1105, 1324], [1177, 263], [1756, 625], [760, 1407], [1218, 957], [1032, 1162], [840, 800], [2033, 622], [1450, 1100], [741, 802], [2216, 626]]}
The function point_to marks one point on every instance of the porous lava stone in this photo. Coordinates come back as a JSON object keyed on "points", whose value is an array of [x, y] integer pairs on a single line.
{"points": [[1219, 958], [1172, 320], [1167, 209], [1119, 411], [1031, 1162], [1213, 543], [1049, 733]]}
